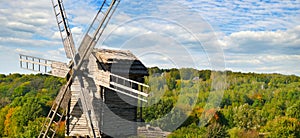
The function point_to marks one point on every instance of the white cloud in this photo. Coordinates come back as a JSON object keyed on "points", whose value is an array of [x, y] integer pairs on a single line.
{"points": [[256, 36], [264, 51], [272, 42], [29, 27], [234, 16]]}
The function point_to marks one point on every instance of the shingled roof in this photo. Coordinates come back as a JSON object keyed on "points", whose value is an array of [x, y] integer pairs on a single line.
{"points": [[121, 62]]}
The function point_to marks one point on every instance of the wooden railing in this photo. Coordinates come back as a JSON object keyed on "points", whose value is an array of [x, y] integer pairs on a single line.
{"points": [[129, 87]]}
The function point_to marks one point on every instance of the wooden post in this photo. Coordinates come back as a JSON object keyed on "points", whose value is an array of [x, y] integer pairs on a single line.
{"points": [[26, 62], [45, 66], [32, 64], [102, 90], [21, 62], [68, 118], [141, 107], [39, 65]]}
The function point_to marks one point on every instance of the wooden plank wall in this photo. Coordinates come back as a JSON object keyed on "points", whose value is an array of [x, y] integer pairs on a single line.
{"points": [[116, 118], [119, 116], [78, 123]]}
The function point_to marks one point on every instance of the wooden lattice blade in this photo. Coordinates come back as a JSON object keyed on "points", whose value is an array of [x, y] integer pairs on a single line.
{"points": [[95, 31], [45, 66], [64, 29]]}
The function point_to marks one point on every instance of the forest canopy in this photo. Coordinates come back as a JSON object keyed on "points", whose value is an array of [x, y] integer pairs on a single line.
{"points": [[252, 104]]}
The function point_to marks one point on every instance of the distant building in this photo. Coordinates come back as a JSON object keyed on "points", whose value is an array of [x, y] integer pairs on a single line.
{"points": [[151, 132], [196, 79]]}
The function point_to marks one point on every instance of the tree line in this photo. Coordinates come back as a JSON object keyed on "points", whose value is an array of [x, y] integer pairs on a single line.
{"points": [[251, 104]]}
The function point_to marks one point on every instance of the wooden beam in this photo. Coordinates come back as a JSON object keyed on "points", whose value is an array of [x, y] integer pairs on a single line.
{"points": [[34, 62], [117, 76], [136, 97], [129, 89]]}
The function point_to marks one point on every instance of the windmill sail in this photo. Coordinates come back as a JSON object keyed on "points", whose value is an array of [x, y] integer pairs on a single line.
{"points": [[45, 66], [35, 64], [64, 29], [86, 86], [96, 29], [88, 43]]}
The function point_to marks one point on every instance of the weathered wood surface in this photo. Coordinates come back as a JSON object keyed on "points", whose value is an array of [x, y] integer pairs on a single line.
{"points": [[69, 47], [108, 55], [120, 62], [35, 63], [85, 47], [78, 122], [151, 132], [120, 115], [102, 78], [117, 117], [59, 69], [65, 96]]}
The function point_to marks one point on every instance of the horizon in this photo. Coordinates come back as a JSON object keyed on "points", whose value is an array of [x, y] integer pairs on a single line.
{"points": [[259, 73], [240, 36]]}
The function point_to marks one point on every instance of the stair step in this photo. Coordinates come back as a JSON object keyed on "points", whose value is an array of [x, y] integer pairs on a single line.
{"points": [[58, 115]]}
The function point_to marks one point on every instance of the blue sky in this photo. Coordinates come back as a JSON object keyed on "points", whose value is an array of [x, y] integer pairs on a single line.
{"points": [[242, 35]]}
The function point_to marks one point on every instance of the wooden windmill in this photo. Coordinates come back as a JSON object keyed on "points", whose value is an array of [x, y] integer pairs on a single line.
{"points": [[103, 86]]}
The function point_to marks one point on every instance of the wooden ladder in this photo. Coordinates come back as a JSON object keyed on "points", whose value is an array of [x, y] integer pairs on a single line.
{"points": [[55, 115]]}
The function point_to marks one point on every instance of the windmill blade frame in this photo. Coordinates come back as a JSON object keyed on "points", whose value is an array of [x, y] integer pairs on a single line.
{"points": [[88, 83], [45, 66], [88, 43], [93, 34], [84, 51], [64, 29]]}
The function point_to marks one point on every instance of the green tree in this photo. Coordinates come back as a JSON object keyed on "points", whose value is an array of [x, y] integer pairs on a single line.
{"points": [[22, 89], [191, 131], [3, 113], [215, 130], [283, 127], [188, 73], [247, 118], [204, 74], [33, 128], [294, 111], [242, 133]]}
